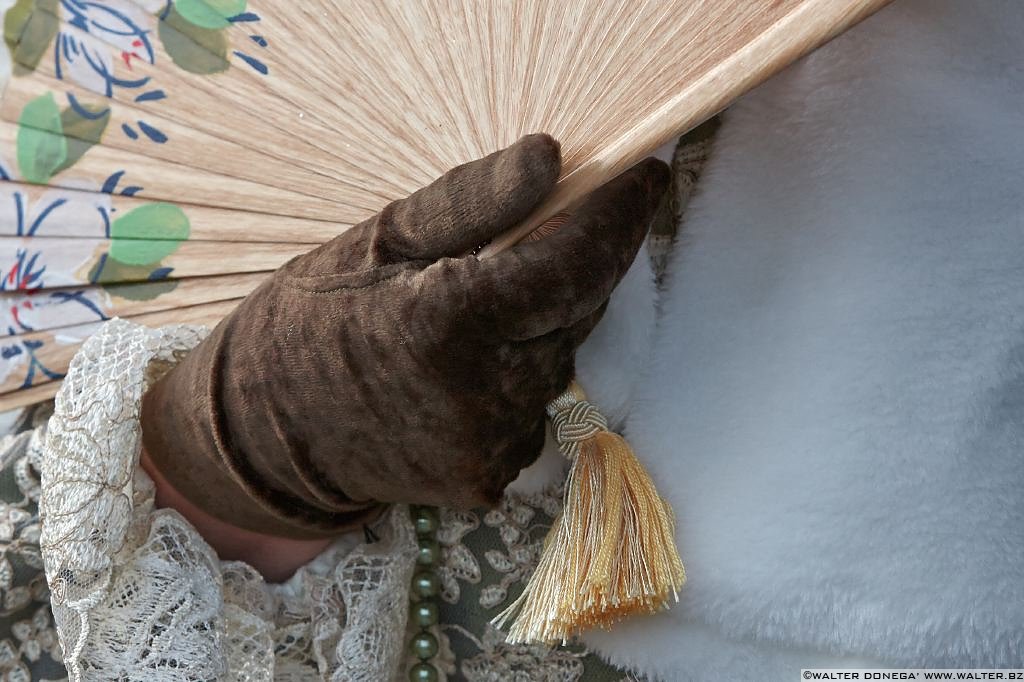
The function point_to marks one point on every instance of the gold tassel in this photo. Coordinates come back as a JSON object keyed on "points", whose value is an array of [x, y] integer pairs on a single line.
{"points": [[611, 553]]}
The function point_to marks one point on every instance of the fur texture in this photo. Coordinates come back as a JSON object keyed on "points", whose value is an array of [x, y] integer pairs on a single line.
{"points": [[835, 404]]}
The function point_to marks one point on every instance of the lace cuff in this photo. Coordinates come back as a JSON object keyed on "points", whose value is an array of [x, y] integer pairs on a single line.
{"points": [[137, 593]]}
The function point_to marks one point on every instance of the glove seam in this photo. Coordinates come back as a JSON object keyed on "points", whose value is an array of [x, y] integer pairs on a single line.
{"points": [[289, 283]]}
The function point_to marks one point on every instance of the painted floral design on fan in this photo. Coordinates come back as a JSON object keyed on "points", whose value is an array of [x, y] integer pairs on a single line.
{"points": [[139, 240], [98, 46], [40, 285], [83, 50], [117, 61], [24, 276], [193, 34], [51, 139]]}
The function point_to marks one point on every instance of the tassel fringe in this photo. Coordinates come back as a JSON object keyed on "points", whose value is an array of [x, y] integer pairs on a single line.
{"points": [[611, 553]]}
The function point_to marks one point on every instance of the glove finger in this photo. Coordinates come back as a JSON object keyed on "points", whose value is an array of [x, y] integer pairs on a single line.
{"points": [[470, 204], [580, 330], [508, 462], [539, 286], [552, 356]]}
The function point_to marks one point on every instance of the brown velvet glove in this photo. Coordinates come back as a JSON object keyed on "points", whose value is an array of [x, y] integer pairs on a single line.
{"points": [[386, 367]]}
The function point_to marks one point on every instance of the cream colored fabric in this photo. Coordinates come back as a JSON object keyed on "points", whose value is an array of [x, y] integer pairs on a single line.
{"points": [[138, 594]]}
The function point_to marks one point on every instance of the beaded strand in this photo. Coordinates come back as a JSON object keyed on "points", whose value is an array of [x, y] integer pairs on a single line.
{"points": [[425, 587]]}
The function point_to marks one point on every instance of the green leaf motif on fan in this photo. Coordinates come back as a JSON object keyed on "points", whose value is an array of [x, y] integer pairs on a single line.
{"points": [[42, 147], [131, 282], [29, 28], [193, 48], [82, 131], [50, 140], [209, 13], [148, 233]]}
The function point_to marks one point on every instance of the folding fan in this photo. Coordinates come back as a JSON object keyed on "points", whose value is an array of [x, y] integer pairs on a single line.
{"points": [[159, 157]]}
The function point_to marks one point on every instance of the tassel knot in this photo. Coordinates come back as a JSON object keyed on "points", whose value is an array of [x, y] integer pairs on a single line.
{"points": [[575, 424]]}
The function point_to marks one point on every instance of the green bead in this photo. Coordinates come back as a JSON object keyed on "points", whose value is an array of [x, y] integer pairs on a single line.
{"points": [[426, 521], [423, 672], [424, 646], [425, 613], [429, 552], [426, 584]]}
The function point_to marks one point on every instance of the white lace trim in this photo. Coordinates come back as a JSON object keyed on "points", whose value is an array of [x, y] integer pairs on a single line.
{"points": [[138, 594]]}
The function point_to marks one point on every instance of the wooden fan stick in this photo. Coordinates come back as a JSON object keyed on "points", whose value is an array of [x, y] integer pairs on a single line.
{"points": [[221, 156], [397, 168], [73, 213], [29, 396], [60, 346], [173, 182], [77, 261], [809, 25], [56, 309]]}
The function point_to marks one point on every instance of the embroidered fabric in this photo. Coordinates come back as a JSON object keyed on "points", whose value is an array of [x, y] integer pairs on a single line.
{"points": [[29, 649], [487, 556], [136, 592]]}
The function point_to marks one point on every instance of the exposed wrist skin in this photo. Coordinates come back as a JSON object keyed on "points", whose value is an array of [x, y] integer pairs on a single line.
{"points": [[276, 558]]}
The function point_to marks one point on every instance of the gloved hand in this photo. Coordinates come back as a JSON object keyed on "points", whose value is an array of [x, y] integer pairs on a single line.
{"points": [[385, 366]]}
